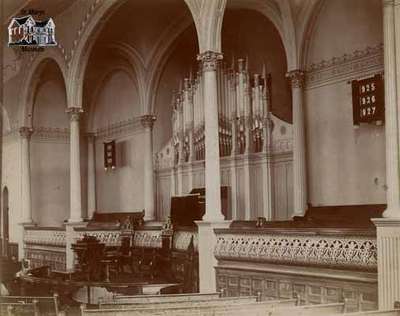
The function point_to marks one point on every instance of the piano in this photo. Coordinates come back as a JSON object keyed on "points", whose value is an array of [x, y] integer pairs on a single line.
{"points": [[191, 207]]}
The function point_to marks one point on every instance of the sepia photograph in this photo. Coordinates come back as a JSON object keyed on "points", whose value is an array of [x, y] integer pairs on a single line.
{"points": [[200, 157]]}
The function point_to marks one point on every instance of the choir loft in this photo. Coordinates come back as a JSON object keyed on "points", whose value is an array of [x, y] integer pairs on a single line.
{"points": [[183, 157]]}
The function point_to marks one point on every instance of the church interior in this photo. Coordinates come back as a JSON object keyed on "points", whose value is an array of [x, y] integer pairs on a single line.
{"points": [[201, 157]]}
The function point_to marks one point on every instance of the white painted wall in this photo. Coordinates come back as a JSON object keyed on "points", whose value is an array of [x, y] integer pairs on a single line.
{"points": [[345, 165], [50, 156], [11, 171], [119, 190]]}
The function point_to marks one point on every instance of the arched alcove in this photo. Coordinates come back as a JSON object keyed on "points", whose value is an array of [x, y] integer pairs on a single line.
{"points": [[346, 165], [49, 148], [120, 85]]}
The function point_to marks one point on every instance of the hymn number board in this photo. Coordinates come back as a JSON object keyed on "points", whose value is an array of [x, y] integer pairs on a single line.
{"points": [[368, 100], [109, 155]]}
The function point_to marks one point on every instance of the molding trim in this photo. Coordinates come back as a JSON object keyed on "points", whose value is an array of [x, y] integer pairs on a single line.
{"points": [[120, 129], [360, 63], [51, 135]]}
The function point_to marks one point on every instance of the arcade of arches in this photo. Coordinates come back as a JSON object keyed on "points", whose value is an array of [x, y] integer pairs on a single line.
{"points": [[253, 96]]}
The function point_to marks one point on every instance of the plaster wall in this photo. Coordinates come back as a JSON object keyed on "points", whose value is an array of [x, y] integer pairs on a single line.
{"points": [[11, 171], [345, 165], [50, 155], [119, 190]]}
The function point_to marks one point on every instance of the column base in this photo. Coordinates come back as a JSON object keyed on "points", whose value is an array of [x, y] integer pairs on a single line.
{"points": [[391, 214], [28, 223], [75, 220], [388, 243], [207, 262], [153, 222]]}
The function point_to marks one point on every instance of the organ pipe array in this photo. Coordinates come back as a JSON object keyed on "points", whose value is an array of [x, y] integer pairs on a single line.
{"points": [[244, 105]]}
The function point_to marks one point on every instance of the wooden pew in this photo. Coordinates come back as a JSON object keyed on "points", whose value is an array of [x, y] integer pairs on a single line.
{"points": [[125, 299], [185, 309], [309, 310], [163, 305], [20, 309], [393, 312], [46, 305]]}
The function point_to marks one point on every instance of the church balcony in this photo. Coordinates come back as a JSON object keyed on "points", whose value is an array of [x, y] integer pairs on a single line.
{"points": [[321, 265]]}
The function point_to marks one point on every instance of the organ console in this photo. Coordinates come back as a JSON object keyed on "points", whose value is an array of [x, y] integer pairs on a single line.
{"points": [[244, 106]]}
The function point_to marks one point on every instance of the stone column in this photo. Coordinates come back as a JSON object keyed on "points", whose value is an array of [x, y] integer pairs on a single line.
{"points": [[299, 144], [233, 183], [267, 170], [388, 227], [148, 122], [209, 62], [91, 194], [75, 166], [213, 217], [26, 202]]}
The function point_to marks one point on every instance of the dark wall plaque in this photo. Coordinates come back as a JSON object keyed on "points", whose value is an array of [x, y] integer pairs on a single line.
{"points": [[368, 100]]}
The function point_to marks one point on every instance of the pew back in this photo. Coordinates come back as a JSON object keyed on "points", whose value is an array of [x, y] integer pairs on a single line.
{"points": [[125, 299], [182, 304], [185, 309], [393, 312], [310, 310], [19, 309], [46, 305]]}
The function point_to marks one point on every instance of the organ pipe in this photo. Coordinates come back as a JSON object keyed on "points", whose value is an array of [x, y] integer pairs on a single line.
{"points": [[243, 113]]}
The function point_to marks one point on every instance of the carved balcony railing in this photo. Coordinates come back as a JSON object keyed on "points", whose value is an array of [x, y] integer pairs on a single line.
{"points": [[45, 246], [110, 237], [53, 236], [339, 251]]}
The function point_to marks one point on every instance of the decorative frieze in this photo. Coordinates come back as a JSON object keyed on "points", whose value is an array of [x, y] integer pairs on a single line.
{"points": [[51, 134], [357, 252], [360, 63], [120, 129]]}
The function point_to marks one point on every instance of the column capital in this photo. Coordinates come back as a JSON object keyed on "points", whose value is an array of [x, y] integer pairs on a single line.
{"points": [[74, 113], [90, 136], [209, 60], [26, 132], [148, 120], [296, 78]]}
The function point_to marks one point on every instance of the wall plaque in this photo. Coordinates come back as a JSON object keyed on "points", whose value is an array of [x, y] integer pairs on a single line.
{"points": [[109, 155], [368, 100]]}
